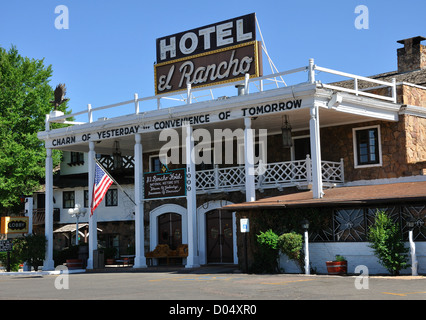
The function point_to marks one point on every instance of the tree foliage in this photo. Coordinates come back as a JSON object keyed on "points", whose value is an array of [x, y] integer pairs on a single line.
{"points": [[386, 240], [24, 102]]}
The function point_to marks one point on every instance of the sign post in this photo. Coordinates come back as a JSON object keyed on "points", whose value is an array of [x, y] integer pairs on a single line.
{"points": [[6, 246], [244, 228]]}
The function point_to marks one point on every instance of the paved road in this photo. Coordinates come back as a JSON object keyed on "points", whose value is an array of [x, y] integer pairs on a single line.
{"points": [[208, 285]]}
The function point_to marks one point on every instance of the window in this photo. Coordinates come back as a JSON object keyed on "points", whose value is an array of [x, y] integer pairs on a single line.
{"points": [[367, 148], [86, 198], [111, 198], [77, 158], [68, 198]]}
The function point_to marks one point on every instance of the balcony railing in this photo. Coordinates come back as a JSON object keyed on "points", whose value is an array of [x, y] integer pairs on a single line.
{"points": [[271, 175]]}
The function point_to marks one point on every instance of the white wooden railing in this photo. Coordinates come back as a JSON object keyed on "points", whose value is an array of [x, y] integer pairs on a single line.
{"points": [[189, 97], [275, 175]]}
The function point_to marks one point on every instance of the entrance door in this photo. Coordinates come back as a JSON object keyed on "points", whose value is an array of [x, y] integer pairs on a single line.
{"points": [[220, 248], [170, 229]]}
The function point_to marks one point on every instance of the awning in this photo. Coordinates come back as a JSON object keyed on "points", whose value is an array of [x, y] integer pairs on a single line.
{"points": [[72, 227], [355, 195]]}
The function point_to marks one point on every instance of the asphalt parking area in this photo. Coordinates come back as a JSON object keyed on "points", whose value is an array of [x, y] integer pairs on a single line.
{"points": [[175, 286]]}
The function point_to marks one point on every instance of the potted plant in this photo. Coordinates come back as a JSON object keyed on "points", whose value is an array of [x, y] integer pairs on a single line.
{"points": [[338, 266]]}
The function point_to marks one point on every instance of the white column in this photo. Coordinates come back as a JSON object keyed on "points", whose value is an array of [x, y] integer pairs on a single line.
{"points": [[29, 213], [249, 160], [93, 222], [48, 216], [414, 262], [307, 269], [315, 153], [140, 260], [191, 202]]}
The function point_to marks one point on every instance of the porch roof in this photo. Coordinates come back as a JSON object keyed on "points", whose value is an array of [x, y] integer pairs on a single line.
{"points": [[338, 105], [354, 195]]}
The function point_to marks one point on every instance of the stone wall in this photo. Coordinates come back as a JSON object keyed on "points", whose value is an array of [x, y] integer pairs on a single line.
{"points": [[403, 146]]}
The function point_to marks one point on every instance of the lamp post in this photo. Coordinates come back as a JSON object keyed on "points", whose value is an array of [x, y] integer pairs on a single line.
{"points": [[305, 227], [411, 223], [77, 212]]}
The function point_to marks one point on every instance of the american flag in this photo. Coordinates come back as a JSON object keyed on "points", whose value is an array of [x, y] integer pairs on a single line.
{"points": [[100, 187]]}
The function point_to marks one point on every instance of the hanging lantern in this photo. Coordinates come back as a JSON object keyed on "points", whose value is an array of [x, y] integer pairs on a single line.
{"points": [[116, 157], [286, 133]]}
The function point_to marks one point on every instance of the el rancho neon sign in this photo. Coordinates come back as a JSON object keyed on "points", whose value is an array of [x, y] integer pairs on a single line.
{"points": [[217, 53]]}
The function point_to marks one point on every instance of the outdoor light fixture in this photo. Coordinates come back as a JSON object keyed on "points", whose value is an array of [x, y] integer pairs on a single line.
{"points": [[305, 227], [305, 224], [411, 223], [116, 156], [77, 212], [286, 133]]}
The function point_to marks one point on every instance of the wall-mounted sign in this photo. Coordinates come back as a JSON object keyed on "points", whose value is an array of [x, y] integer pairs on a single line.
{"points": [[14, 225], [217, 53], [6, 245], [244, 225], [277, 107], [165, 183]]}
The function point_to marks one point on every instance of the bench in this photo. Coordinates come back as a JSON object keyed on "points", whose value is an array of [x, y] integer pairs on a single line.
{"points": [[164, 251]]}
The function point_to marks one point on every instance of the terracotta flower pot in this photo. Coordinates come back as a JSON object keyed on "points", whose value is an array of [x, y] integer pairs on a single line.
{"points": [[337, 267]]}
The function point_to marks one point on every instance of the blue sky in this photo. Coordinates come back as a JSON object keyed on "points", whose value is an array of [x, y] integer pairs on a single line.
{"points": [[108, 52]]}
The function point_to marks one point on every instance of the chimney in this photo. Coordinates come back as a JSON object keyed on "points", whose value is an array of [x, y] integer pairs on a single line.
{"points": [[413, 56]]}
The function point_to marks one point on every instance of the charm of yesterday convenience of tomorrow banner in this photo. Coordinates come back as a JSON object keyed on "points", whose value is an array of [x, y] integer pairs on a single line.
{"points": [[218, 53]]}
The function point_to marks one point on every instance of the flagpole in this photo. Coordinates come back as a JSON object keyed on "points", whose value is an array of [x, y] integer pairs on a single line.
{"points": [[120, 187]]}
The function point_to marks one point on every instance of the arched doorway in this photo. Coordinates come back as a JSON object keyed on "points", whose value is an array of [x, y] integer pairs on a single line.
{"points": [[170, 229], [154, 235], [219, 227], [203, 233]]}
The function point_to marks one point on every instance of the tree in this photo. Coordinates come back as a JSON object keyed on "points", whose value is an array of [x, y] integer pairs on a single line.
{"points": [[386, 240], [31, 249], [24, 102]]}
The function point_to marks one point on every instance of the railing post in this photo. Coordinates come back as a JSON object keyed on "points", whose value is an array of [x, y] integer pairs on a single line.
{"points": [[158, 103], [136, 104], [308, 169], [47, 123], [216, 176], [394, 90], [342, 170], [188, 92], [311, 70], [246, 83], [89, 112], [356, 86]]}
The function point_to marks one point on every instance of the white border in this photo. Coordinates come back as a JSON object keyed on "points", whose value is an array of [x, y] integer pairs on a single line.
{"points": [[379, 139]]}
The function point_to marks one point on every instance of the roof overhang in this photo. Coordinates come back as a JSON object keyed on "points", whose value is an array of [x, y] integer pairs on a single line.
{"points": [[336, 108], [341, 196]]}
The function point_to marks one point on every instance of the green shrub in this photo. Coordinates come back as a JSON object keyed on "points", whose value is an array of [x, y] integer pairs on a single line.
{"points": [[386, 240], [32, 249], [291, 244], [266, 257]]}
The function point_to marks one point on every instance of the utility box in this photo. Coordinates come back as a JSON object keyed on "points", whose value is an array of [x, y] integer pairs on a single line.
{"points": [[98, 259]]}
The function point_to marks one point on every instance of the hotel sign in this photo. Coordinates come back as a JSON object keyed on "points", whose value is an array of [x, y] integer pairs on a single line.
{"points": [[164, 184], [217, 53]]}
